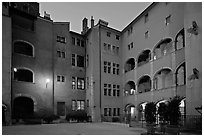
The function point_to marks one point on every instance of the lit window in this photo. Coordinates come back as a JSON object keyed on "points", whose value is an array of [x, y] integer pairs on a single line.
{"points": [[168, 20], [23, 48], [73, 83], [23, 75], [80, 83], [80, 105], [73, 105]]}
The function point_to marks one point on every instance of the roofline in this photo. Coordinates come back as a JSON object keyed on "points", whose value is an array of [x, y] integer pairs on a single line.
{"points": [[75, 33], [139, 16]]}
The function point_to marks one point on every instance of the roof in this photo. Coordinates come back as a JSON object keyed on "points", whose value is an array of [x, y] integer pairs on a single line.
{"points": [[139, 16]]}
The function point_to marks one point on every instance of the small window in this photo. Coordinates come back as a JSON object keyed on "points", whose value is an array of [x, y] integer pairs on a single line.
{"points": [[117, 37], [109, 112], [146, 17], [108, 34], [23, 75], [105, 46], [105, 66], [114, 49], [114, 68], [118, 90], [168, 20], [117, 50], [105, 111], [146, 34], [109, 67], [61, 54], [60, 78], [23, 48], [61, 39], [117, 69], [114, 90], [80, 105]]}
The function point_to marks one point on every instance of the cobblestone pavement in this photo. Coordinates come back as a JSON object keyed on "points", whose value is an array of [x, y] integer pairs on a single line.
{"points": [[72, 129]]}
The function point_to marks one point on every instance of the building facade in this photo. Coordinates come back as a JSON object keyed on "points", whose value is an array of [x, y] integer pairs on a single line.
{"points": [[108, 73]]}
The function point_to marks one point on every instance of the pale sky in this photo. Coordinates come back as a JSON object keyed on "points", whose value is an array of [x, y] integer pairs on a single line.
{"points": [[117, 14]]}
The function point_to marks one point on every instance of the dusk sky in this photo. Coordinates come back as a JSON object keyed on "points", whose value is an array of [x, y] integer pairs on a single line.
{"points": [[118, 14]]}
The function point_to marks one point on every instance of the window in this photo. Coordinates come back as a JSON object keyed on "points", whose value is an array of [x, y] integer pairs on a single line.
{"points": [[130, 31], [23, 75], [105, 46], [61, 39], [118, 110], [80, 61], [87, 60], [73, 60], [118, 90], [73, 41], [109, 67], [168, 20], [146, 34], [109, 111], [117, 69], [105, 66], [114, 112], [130, 46], [105, 111], [114, 68], [117, 37], [73, 83], [109, 47], [109, 89], [73, 105], [108, 34], [105, 89], [60, 78], [82, 43], [23, 48], [114, 90], [61, 54], [146, 18], [117, 50], [78, 42], [87, 82], [80, 83], [80, 105], [114, 49]]}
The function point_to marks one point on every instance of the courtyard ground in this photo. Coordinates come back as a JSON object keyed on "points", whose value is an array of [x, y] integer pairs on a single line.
{"points": [[72, 129]]}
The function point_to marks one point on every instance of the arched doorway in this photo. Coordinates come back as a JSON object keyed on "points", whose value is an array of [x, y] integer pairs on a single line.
{"points": [[130, 112], [23, 107]]}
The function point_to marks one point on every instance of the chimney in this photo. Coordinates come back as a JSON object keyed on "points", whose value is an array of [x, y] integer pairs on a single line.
{"points": [[84, 25], [46, 15], [92, 22]]}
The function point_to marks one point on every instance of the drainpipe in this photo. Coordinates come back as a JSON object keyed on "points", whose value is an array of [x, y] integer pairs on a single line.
{"points": [[100, 100]]}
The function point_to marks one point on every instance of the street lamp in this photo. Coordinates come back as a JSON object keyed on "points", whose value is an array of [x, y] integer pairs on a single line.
{"points": [[47, 81]]}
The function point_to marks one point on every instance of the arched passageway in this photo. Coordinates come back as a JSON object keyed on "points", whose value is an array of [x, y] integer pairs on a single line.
{"points": [[23, 107]]}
